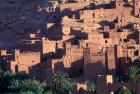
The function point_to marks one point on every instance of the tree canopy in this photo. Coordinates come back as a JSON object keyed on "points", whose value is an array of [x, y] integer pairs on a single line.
{"points": [[132, 73], [125, 90], [11, 83]]}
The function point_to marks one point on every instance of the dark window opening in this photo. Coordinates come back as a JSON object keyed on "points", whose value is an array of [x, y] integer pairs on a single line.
{"points": [[80, 71], [11, 2], [56, 67], [136, 53], [16, 68], [93, 15], [124, 40], [106, 35]]}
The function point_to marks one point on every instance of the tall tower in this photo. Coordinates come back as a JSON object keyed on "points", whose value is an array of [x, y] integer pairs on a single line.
{"points": [[111, 60], [87, 68], [136, 7]]}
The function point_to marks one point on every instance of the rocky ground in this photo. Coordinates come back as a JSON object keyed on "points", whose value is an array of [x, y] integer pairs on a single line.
{"points": [[20, 16]]}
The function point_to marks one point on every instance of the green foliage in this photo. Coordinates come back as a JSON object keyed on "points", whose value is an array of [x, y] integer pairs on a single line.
{"points": [[5, 78], [61, 84], [18, 84], [28, 86], [26, 92], [132, 73], [125, 90], [50, 91], [1, 72], [90, 86]]}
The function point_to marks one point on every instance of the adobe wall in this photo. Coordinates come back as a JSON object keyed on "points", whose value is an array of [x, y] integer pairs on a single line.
{"points": [[48, 46], [106, 86], [111, 60], [94, 64], [104, 14], [136, 8], [73, 6], [57, 64], [24, 61]]}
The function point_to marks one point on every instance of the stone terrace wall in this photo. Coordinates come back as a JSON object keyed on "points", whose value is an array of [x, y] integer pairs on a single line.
{"points": [[73, 6]]}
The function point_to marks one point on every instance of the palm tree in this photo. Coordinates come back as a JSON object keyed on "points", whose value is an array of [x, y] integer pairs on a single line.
{"points": [[5, 78], [27, 86], [26, 92], [1, 72], [91, 86], [132, 73], [48, 92], [61, 83], [125, 90]]}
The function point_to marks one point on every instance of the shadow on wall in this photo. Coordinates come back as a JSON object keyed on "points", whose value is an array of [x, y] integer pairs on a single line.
{"points": [[106, 23], [76, 69], [128, 26], [70, 13], [136, 63], [59, 66], [41, 72], [67, 12], [92, 70], [122, 65], [34, 71], [54, 33], [104, 6], [133, 36]]}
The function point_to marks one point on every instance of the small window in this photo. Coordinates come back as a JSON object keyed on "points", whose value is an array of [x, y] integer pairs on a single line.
{"points": [[136, 53], [105, 41], [56, 67], [93, 15], [16, 68], [124, 40]]}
